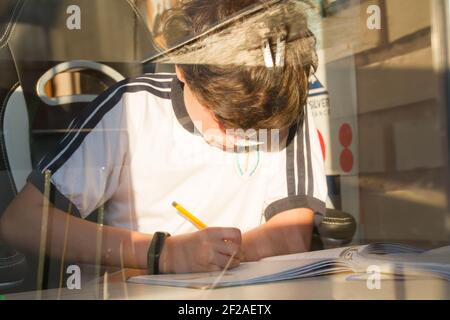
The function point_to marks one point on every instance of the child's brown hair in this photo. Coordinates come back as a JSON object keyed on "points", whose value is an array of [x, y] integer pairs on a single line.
{"points": [[242, 92]]}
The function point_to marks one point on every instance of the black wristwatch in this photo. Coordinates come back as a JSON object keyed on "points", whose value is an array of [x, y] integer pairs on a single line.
{"points": [[154, 251]]}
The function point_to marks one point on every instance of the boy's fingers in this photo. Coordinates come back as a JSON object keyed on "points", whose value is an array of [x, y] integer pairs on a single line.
{"points": [[232, 234], [222, 261], [228, 248], [213, 267]]}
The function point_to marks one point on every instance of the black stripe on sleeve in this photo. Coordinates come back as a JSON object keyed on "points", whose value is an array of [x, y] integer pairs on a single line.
{"points": [[290, 161], [308, 156], [300, 160], [161, 85], [294, 202]]}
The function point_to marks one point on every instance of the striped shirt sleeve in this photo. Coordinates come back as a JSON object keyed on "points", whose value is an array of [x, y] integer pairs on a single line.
{"points": [[300, 181], [86, 163]]}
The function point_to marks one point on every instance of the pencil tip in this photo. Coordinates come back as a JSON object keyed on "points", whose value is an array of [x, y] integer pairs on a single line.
{"points": [[174, 204]]}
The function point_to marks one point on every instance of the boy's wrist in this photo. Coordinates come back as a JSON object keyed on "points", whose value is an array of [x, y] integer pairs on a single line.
{"points": [[250, 250]]}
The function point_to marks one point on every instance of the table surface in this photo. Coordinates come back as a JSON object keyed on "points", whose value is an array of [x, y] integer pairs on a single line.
{"points": [[337, 286]]}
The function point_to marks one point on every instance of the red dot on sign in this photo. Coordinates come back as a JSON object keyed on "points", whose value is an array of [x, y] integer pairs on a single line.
{"points": [[322, 145], [346, 135], [346, 160]]}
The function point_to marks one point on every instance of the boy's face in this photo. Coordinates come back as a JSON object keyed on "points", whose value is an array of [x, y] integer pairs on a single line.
{"points": [[205, 120], [201, 116]]}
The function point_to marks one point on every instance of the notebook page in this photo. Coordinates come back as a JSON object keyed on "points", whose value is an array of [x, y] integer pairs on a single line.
{"points": [[246, 273]]}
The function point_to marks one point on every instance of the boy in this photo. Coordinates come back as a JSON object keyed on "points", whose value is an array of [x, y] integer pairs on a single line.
{"points": [[157, 138]]}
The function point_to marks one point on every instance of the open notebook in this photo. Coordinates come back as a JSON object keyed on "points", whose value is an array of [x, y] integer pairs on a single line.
{"points": [[389, 258]]}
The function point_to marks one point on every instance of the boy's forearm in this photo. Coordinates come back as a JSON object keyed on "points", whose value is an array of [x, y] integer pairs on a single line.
{"points": [[90, 243], [74, 239], [287, 233]]}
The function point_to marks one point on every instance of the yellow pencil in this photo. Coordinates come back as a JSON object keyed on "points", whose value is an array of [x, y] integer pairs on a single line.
{"points": [[195, 221]]}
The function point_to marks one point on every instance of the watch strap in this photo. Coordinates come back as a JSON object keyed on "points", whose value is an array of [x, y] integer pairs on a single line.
{"points": [[154, 251]]}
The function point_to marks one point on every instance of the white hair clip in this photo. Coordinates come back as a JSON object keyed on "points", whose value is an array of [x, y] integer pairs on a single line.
{"points": [[280, 53], [281, 50], [267, 54]]}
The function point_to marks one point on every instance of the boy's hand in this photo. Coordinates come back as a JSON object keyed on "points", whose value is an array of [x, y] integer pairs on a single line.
{"points": [[210, 249]]}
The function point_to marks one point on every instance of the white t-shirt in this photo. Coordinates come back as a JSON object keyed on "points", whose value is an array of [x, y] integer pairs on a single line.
{"points": [[134, 150]]}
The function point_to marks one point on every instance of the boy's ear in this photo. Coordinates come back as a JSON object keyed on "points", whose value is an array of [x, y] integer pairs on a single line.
{"points": [[180, 74]]}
